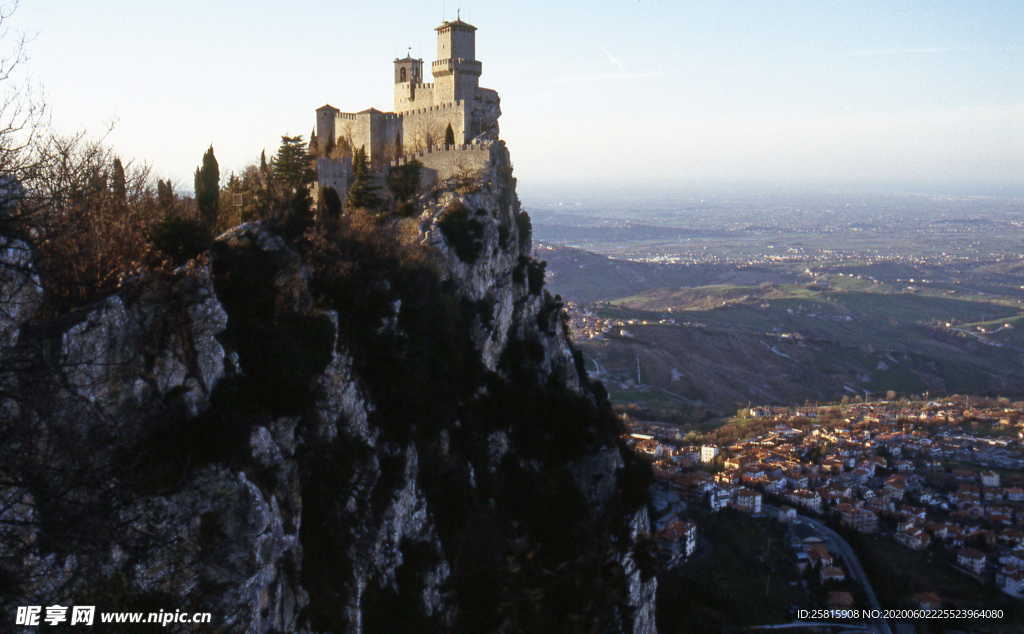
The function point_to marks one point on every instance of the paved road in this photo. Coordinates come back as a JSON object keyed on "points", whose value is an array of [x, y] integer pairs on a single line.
{"points": [[839, 546]]}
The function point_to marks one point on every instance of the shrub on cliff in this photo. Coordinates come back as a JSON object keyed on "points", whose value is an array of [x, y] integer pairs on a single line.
{"points": [[463, 232], [403, 180], [525, 227], [404, 324], [180, 239], [91, 231]]}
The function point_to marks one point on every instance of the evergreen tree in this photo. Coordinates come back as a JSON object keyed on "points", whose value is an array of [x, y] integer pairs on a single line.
{"points": [[293, 167], [362, 193], [165, 195], [118, 186], [404, 180], [293, 174], [449, 136], [207, 184], [314, 144], [330, 203]]}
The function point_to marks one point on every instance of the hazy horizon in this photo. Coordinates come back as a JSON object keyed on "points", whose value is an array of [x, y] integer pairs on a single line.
{"points": [[774, 96]]}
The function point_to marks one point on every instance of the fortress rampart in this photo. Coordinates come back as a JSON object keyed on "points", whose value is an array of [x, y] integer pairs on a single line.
{"points": [[445, 152], [444, 107], [440, 164]]}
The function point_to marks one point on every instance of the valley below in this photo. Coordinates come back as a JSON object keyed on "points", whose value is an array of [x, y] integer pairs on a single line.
{"points": [[821, 312]]}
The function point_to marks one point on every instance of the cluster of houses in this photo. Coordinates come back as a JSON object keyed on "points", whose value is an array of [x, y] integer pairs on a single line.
{"points": [[919, 473], [812, 553], [585, 324]]}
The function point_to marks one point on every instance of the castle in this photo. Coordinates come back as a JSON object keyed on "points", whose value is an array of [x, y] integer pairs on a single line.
{"points": [[446, 125]]}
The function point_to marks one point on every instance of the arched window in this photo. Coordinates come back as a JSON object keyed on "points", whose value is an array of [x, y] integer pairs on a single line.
{"points": [[401, 74]]}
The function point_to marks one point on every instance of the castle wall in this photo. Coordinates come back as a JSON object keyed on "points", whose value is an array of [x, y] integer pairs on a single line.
{"points": [[444, 88], [425, 127], [465, 86], [413, 96], [378, 132], [354, 128], [438, 165], [386, 132], [326, 128], [334, 173]]}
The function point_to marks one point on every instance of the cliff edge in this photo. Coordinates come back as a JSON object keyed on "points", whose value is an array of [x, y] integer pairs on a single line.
{"points": [[380, 425]]}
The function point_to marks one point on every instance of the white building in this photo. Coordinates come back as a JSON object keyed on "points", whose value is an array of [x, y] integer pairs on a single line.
{"points": [[719, 498], [748, 501]]}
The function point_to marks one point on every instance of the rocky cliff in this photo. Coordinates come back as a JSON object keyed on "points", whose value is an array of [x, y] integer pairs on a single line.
{"points": [[378, 426]]}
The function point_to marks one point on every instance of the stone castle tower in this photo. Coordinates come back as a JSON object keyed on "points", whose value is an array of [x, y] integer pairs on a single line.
{"points": [[422, 114]]}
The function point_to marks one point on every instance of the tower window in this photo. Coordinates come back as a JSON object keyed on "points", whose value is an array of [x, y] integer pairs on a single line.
{"points": [[401, 74]]}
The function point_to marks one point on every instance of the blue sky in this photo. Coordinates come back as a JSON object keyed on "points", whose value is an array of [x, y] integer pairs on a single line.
{"points": [[672, 95]]}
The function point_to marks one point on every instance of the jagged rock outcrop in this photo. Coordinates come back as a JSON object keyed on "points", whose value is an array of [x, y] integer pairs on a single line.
{"points": [[324, 434]]}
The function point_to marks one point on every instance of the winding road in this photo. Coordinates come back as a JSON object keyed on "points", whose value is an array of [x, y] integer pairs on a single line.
{"points": [[839, 546]]}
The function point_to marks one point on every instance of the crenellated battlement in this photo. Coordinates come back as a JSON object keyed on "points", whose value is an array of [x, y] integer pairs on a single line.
{"points": [[353, 116], [475, 146], [460, 64], [418, 86], [444, 107]]}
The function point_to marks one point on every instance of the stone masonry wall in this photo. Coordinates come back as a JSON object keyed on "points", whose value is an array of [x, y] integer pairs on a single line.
{"points": [[422, 96], [424, 128], [440, 165]]}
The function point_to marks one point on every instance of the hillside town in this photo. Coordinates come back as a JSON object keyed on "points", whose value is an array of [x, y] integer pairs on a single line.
{"points": [[937, 475]]}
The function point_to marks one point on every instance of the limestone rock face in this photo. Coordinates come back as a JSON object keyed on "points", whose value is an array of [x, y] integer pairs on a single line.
{"points": [[485, 114], [20, 289], [496, 277], [295, 449]]}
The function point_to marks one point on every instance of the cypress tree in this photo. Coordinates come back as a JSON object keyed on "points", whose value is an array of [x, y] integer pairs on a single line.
{"points": [[207, 184], [362, 193], [118, 186], [165, 195]]}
